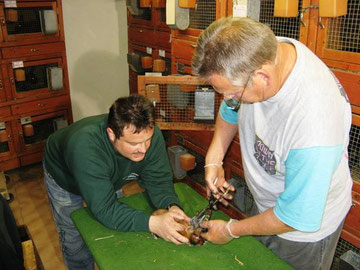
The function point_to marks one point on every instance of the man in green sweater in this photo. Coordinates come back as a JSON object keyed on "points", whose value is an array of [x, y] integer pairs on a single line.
{"points": [[93, 158]]}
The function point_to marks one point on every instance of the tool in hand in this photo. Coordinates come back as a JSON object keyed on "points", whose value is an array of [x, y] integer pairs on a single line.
{"points": [[205, 213]]}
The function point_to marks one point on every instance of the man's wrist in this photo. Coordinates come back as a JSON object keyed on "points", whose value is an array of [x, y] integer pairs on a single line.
{"points": [[229, 230], [173, 204]]}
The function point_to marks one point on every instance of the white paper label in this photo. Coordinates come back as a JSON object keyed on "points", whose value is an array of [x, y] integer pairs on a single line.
{"points": [[162, 53], [25, 120], [162, 113], [17, 64], [148, 50], [240, 8], [157, 74], [10, 4]]}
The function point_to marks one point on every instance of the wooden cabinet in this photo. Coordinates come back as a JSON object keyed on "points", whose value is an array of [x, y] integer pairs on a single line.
{"points": [[149, 13], [34, 84], [149, 40], [31, 22]]}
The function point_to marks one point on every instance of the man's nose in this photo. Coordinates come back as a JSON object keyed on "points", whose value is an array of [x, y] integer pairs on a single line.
{"points": [[142, 147]]}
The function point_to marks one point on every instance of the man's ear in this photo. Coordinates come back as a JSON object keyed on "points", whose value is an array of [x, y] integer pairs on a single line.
{"points": [[111, 134], [263, 75]]}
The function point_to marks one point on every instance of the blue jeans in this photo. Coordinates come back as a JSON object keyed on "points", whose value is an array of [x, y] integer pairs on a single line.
{"points": [[76, 255]]}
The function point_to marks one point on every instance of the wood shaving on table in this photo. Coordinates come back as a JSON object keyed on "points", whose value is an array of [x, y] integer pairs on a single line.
{"points": [[105, 237], [238, 261]]}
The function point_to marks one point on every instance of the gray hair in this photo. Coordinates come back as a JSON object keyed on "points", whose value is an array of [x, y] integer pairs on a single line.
{"points": [[233, 47]]}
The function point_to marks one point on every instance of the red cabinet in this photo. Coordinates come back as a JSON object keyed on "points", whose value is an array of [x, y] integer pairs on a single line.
{"points": [[31, 22], [34, 83]]}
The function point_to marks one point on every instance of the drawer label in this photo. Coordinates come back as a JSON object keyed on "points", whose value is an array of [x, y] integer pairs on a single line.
{"points": [[10, 4], [25, 120], [162, 53], [17, 64]]}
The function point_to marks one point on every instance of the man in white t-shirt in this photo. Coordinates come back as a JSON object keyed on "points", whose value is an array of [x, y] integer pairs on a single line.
{"points": [[293, 119]]}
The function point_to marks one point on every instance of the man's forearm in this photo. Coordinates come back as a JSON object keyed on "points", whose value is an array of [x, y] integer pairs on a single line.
{"points": [[223, 136], [265, 223]]}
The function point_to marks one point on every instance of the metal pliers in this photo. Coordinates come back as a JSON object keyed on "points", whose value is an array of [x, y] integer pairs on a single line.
{"points": [[205, 213]]}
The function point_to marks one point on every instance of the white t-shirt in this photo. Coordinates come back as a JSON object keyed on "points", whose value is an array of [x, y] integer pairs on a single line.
{"points": [[294, 149]]}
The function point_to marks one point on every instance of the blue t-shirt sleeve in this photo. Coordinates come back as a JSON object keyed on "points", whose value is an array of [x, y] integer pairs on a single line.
{"points": [[307, 180], [227, 114]]}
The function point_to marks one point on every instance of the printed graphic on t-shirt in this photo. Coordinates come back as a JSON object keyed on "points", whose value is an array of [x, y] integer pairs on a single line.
{"points": [[130, 177], [341, 88], [264, 156]]}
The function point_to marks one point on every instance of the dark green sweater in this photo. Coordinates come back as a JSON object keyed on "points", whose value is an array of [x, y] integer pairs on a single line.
{"points": [[82, 161]]}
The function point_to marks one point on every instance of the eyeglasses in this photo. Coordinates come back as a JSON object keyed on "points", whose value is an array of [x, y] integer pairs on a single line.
{"points": [[234, 104]]}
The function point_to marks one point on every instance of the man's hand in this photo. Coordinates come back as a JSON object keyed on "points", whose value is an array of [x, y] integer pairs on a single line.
{"points": [[216, 184], [166, 226], [216, 232]]}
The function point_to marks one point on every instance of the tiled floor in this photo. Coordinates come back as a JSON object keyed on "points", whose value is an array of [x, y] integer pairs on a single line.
{"points": [[30, 207]]}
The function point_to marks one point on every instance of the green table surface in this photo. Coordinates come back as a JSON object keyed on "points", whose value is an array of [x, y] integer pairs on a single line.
{"points": [[140, 250]]}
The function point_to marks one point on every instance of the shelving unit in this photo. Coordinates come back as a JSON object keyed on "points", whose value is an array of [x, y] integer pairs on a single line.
{"points": [[34, 83]]}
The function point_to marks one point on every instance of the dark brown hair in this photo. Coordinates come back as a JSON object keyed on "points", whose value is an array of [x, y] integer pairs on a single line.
{"points": [[133, 110]]}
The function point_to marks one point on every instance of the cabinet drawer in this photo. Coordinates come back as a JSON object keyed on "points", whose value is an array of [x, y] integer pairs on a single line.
{"points": [[148, 37], [41, 104], [183, 49], [33, 50], [5, 111]]}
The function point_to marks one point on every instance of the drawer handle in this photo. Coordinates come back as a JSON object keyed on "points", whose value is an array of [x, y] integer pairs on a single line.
{"points": [[140, 31], [41, 104], [193, 45], [34, 50]]}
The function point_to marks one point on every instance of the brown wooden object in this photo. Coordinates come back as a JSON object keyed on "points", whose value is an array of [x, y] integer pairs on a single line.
{"points": [[187, 3], [3, 136], [159, 3], [286, 8], [187, 162], [153, 92], [145, 3], [146, 62], [28, 130], [20, 75], [11, 15], [159, 65], [332, 8]]}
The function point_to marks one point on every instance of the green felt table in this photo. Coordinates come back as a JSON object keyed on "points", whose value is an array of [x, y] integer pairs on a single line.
{"points": [[140, 250]]}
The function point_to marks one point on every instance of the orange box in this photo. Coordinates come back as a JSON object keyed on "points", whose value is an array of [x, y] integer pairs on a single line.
{"points": [[146, 62], [187, 162], [286, 8], [145, 3], [3, 136], [28, 130], [20, 75], [159, 3], [332, 8], [159, 65], [187, 3]]}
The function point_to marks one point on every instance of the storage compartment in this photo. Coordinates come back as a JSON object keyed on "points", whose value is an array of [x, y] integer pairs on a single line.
{"points": [[30, 21], [7, 147], [182, 102], [35, 128], [31, 77]]}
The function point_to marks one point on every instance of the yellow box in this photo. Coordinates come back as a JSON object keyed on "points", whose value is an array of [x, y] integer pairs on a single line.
{"points": [[332, 8], [286, 8]]}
